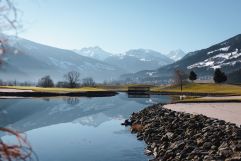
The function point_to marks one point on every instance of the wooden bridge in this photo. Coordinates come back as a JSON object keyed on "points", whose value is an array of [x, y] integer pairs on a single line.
{"points": [[138, 89]]}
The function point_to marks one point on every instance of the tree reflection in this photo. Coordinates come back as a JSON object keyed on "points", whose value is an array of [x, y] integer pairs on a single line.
{"points": [[71, 100]]}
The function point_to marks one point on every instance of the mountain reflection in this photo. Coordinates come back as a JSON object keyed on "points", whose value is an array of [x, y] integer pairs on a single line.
{"points": [[28, 114]]}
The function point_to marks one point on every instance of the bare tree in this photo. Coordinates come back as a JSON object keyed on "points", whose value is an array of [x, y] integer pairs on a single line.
{"points": [[72, 78], [9, 21], [180, 77], [88, 82], [9, 16], [46, 81], [62, 84]]}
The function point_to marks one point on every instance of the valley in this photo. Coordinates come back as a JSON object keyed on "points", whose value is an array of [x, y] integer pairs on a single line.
{"points": [[120, 80]]}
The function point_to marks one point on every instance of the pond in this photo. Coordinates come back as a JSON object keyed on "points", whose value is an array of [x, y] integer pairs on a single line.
{"points": [[77, 129]]}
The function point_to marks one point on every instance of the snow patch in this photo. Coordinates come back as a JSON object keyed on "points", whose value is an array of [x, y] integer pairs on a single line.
{"points": [[219, 60], [150, 73], [143, 59], [221, 49]]}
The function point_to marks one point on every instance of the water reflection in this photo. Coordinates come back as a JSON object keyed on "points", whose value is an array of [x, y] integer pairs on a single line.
{"points": [[138, 96], [27, 114], [85, 129], [72, 100]]}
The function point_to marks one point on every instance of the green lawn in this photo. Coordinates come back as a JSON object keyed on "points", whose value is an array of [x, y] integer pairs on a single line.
{"points": [[211, 88], [203, 88]]}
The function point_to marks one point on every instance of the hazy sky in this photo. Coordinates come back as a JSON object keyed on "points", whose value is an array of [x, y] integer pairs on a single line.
{"points": [[120, 25]]}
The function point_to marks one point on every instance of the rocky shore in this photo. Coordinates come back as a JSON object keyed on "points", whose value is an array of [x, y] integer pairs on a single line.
{"points": [[174, 135]]}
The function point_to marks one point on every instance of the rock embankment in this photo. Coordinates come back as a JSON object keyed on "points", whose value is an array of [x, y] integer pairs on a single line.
{"points": [[174, 135]]}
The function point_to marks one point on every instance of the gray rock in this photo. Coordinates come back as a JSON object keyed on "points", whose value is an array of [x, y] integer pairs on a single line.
{"points": [[148, 152], [169, 135], [207, 145], [174, 136]]}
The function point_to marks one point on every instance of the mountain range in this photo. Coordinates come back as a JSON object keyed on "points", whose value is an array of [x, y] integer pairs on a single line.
{"points": [[94, 52], [131, 61], [138, 59], [24, 60], [225, 55], [176, 54]]}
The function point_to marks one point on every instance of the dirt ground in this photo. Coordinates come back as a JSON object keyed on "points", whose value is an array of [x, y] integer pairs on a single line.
{"points": [[230, 112]]}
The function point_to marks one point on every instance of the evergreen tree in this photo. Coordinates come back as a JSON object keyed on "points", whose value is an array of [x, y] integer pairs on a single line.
{"points": [[192, 76], [219, 76]]}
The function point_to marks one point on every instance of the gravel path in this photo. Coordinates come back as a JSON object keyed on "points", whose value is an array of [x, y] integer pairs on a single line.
{"points": [[230, 112]]}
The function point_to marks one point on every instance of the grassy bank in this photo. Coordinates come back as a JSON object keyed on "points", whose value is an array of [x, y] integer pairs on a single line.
{"points": [[55, 90], [202, 88], [52, 92], [191, 89], [200, 100]]}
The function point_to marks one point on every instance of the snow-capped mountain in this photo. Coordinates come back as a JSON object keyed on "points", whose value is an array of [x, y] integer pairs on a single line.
{"points": [[94, 52], [25, 60], [138, 59], [130, 61], [225, 55], [176, 54]]}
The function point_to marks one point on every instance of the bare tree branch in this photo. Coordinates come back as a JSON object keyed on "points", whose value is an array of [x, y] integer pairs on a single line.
{"points": [[72, 78], [9, 19]]}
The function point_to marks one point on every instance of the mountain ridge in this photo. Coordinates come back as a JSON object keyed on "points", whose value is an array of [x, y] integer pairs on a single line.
{"points": [[30, 61], [176, 54], [225, 55], [132, 60]]}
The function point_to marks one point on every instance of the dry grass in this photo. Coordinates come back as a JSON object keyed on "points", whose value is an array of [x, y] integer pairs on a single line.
{"points": [[211, 88], [55, 90], [204, 88]]}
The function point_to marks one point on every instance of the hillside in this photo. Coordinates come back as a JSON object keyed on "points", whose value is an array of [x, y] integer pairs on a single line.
{"points": [[138, 59], [225, 55], [176, 54], [25, 60], [131, 61], [94, 52]]}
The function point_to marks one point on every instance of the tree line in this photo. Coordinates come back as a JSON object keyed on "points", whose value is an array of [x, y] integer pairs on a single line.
{"points": [[71, 80], [181, 77]]}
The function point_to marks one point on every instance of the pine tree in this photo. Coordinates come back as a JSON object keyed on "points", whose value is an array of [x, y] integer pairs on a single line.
{"points": [[219, 76], [192, 76]]}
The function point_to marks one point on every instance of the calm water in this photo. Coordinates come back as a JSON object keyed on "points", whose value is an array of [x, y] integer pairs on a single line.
{"points": [[77, 129]]}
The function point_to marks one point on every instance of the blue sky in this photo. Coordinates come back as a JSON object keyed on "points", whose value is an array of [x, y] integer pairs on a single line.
{"points": [[120, 25]]}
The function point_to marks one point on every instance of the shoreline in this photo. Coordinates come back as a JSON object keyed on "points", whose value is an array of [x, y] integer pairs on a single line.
{"points": [[54, 94], [172, 135], [227, 111], [193, 93]]}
